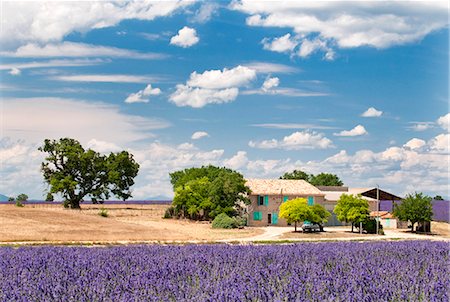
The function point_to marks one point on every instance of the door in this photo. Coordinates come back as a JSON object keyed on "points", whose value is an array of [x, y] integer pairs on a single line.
{"points": [[269, 218]]}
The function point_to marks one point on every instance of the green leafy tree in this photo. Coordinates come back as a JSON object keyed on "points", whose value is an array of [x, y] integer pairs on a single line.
{"points": [[205, 192], [22, 197], [295, 210], [320, 215], [11, 199], [438, 197], [49, 197], [415, 207], [77, 173], [326, 179], [296, 174], [351, 208]]}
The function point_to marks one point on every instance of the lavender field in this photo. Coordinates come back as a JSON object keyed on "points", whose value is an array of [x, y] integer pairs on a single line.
{"points": [[379, 271]]}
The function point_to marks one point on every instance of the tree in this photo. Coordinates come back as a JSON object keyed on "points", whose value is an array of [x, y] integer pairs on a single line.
{"points": [[11, 199], [296, 174], [438, 197], [322, 179], [49, 197], [205, 192], [415, 207], [76, 173], [326, 179], [22, 197], [351, 208], [295, 210]]}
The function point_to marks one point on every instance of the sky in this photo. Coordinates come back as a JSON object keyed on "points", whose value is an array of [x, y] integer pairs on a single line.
{"points": [[355, 88]]}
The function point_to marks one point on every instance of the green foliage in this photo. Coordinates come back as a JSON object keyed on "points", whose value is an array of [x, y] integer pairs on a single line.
{"points": [[22, 197], [438, 197], [75, 173], [326, 179], [322, 179], [11, 199], [351, 208], [49, 197], [370, 226], [223, 221], [19, 203], [103, 212], [297, 210], [415, 208], [204, 193], [296, 174], [169, 212]]}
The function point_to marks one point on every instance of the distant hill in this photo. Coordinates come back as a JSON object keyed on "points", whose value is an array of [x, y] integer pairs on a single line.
{"points": [[3, 198]]}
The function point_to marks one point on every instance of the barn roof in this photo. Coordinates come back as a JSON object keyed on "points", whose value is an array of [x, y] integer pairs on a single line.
{"points": [[282, 187]]}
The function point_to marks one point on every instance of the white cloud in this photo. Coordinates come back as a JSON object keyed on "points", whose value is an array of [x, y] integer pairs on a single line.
{"points": [[280, 44], [357, 131], [72, 49], [102, 146], [347, 24], [186, 37], [286, 91], [308, 47], [52, 63], [372, 112], [226, 78], [212, 87], [421, 126], [56, 118], [440, 143], [296, 141], [270, 83], [105, 78], [200, 97], [415, 144], [206, 12], [43, 22], [444, 121], [199, 135], [266, 67], [143, 96], [15, 71], [238, 161]]}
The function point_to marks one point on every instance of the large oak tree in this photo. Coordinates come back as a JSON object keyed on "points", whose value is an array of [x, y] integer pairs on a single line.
{"points": [[76, 173]]}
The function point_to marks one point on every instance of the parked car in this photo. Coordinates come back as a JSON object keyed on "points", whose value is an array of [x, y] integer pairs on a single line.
{"points": [[310, 227]]}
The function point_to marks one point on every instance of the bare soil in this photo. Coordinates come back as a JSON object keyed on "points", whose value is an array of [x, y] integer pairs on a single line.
{"points": [[52, 223]]}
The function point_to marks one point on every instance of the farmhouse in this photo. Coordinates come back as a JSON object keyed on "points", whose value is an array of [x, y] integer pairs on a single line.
{"points": [[268, 194]]}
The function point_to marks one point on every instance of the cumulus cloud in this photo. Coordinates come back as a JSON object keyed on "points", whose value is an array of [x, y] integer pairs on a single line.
{"points": [[357, 131], [237, 161], [440, 143], [348, 24], [270, 83], [143, 96], [372, 112], [444, 121], [281, 44], [186, 37], [415, 144], [73, 49], [308, 47], [199, 135], [82, 120], [206, 12], [15, 71], [43, 22], [212, 87], [296, 141]]}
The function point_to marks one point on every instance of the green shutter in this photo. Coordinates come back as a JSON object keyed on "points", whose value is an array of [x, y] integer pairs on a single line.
{"points": [[266, 200], [257, 215], [310, 200], [285, 198], [274, 218]]}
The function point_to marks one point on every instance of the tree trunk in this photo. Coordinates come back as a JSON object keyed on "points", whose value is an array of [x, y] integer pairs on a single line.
{"points": [[412, 226], [352, 227], [295, 226]]}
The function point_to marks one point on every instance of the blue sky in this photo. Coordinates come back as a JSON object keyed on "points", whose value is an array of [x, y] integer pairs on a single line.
{"points": [[359, 89]]}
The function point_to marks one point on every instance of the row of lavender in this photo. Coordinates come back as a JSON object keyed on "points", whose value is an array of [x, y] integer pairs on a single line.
{"points": [[441, 208], [346, 271], [130, 202]]}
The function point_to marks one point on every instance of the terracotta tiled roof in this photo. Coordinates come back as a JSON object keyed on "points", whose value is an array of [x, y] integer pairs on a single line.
{"points": [[282, 187], [381, 214]]}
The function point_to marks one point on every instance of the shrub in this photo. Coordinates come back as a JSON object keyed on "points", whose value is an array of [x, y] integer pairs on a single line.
{"points": [[240, 221], [103, 212], [223, 221], [169, 213], [370, 226], [19, 203], [66, 204]]}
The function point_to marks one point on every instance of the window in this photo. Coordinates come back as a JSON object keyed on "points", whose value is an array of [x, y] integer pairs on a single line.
{"points": [[285, 198], [257, 216], [310, 200], [260, 200]]}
